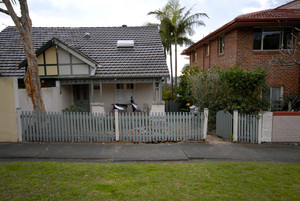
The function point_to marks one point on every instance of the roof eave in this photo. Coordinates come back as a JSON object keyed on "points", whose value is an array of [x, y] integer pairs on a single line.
{"points": [[234, 24]]}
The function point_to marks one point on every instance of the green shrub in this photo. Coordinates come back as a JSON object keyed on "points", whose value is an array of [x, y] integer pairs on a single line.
{"points": [[73, 108], [288, 103]]}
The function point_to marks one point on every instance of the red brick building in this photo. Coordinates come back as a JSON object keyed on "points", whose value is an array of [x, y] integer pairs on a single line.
{"points": [[251, 40]]}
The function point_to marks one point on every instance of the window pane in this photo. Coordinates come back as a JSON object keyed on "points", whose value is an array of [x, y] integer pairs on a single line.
{"points": [[271, 39], [221, 45], [257, 39], [287, 37], [207, 49], [194, 56], [276, 93], [120, 86], [129, 86]]}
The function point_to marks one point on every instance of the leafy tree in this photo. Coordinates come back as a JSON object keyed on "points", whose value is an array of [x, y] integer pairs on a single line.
{"points": [[167, 94], [24, 26], [229, 89], [184, 87]]}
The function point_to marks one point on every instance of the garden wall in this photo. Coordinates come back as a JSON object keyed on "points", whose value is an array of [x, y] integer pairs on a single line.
{"points": [[8, 110], [286, 127], [55, 98]]}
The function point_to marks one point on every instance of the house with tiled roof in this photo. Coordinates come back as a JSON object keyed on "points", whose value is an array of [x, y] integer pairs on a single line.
{"points": [[253, 40], [93, 67]]}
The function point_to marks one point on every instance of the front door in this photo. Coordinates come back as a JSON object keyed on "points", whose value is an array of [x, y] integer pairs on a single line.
{"points": [[81, 96], [124, 92]]}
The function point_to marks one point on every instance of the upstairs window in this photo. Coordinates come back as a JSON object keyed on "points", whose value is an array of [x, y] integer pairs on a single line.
{"points": [[272, 39], [206, 49], [194, 56], [221, 45]]}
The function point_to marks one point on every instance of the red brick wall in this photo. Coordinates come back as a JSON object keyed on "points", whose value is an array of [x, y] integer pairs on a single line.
{"points": [[239, 50], [286, 76]]}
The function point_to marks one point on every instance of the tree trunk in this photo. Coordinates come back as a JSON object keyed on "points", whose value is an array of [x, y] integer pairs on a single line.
{"points": [[31, 78], [171, 66], [175, 40]]}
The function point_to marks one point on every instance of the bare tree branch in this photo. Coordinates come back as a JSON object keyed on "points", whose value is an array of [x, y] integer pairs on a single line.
{"points": [[4, 11], [14, 16], [290, 56]]}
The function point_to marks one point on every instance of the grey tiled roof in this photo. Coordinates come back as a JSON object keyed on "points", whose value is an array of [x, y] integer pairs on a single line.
{"points": [[145, 60]]}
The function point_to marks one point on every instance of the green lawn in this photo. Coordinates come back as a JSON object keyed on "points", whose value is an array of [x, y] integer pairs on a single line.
{"points": [[159, 181]]}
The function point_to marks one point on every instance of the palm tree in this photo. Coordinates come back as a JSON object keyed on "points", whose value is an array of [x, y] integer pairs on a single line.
{"points": [[166, 32], [183, 24], [174, 28]]}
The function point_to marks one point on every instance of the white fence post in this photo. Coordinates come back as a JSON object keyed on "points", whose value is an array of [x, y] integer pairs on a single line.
{"points": [[235, 125], [259, 128], [117, 125], [19, 126], [205, 123]]}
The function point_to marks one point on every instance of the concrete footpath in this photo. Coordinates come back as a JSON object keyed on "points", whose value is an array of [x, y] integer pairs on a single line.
{"points": [[117, 152]]}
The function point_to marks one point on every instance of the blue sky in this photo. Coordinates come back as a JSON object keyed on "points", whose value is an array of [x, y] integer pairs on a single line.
{"points": [[72, 13]]}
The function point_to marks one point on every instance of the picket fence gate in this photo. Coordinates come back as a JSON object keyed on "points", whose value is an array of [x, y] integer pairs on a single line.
{"points": [[247, 126], [224, 124], [93, 127]]}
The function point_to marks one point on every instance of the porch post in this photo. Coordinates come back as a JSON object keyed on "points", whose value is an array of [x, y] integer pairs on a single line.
{"points": [[154, 91], [92, 90], [160, 90], [100, 91], [166, 83]]}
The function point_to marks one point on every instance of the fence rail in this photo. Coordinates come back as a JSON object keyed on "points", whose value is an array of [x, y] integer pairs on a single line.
{"points": [[67, 127], [158, 127]]}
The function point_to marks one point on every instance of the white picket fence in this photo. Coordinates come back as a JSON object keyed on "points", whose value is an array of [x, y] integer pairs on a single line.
{"points": [[127, 127], [160, 127], [67, 127]]}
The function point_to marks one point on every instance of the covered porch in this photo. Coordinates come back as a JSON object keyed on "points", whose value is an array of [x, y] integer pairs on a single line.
{"points": [[99, 95]]}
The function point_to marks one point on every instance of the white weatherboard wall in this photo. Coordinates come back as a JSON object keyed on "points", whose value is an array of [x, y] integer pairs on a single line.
{"points": [[55, 98]]}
